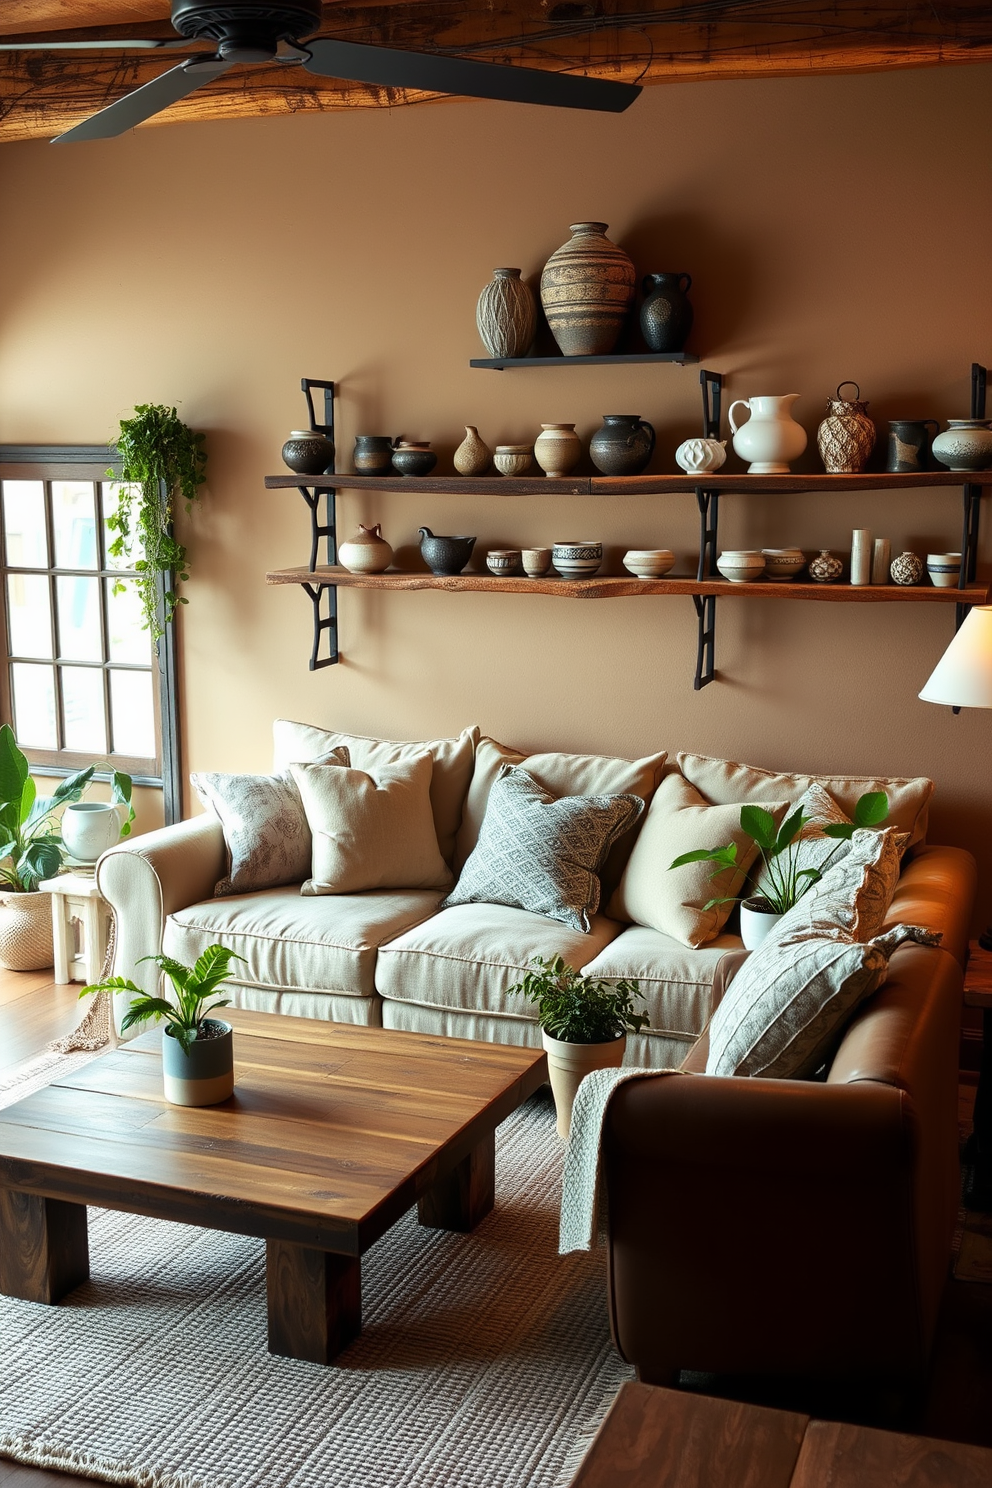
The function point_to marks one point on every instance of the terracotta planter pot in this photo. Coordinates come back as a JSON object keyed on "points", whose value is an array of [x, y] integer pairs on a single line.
{"points": [[26, 932], [568, 1065]]}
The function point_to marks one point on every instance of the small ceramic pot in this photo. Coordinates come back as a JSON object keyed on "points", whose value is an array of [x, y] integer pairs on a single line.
{"points": [[308, 452], [373, 454], [826, 569], [568, 1065], [909, 444], [204, 1076], [696, 456], [666, 315], [536, 562], [741, 565], [758, 919], [966, 444], [503, 560], [473, 456], [783, 564], [622, 445], [367, 552], [89, 828], [445, 556], [578, 559], [513, 459], [412, 457], [944, 569], [649, 563], [558, 450], [907, 569]]}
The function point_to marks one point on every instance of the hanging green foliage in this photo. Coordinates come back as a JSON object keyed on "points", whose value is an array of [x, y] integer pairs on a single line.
{"points": [[161, 461]]}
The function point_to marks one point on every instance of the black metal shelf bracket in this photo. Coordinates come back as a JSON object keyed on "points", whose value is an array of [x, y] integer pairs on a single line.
{"points": [[323, 597], [708, 502]]}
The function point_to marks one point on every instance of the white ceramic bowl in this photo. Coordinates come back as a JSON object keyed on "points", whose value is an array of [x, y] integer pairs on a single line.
{"points": [[649, 563], [944, 569], [579, 559], [741, 565], [782, 564]]}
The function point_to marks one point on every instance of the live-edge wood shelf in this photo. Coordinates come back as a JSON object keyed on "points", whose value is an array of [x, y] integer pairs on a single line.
{"points": [[627, 485]]}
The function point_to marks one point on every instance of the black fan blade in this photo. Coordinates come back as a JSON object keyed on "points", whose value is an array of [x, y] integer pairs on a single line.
{"points": [[146, 101], [353, 62], [91, 46]]}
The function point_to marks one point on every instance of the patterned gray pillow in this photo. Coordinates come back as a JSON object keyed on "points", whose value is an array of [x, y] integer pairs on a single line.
{"points": [[265, 827], [542, 853]]}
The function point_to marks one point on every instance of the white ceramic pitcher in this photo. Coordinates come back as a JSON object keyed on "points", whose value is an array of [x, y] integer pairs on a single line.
{"points": [[771, 437], [89, 828]]}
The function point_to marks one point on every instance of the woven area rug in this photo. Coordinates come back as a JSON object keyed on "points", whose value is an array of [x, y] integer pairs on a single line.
{"points": [[484, 1360]]}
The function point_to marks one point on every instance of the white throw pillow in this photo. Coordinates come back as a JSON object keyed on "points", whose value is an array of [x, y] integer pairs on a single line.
{"points": [[854, 895], [371, 832]]}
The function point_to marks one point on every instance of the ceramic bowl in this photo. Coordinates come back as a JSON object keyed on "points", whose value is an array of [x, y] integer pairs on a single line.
{"points": [[503, 560], [411, 458], [944, 569], [513, 459], [308, 452], [536, 562], [578, 559], [649, 563], [782, 564], [741, 565]]}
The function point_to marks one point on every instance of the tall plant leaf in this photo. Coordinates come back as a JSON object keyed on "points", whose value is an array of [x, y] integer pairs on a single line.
{"points": [[13, 766], [872, 809], [760, 825]]}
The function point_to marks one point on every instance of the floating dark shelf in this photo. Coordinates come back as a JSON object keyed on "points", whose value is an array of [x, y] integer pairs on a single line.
{"points": [[501, 364]]}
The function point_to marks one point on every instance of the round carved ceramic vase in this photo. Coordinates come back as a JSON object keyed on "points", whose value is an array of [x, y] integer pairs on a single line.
{"points": [[587, 289], [622, 445], [907, 569], [308, 452], [771, 437], [473, 456], [966, 444], [826, 569], [783, 564], [513, 459], [26, 932], [557, 450], [506, 315], [697, 456], [846, 437], [666, 314], [367, 552]]}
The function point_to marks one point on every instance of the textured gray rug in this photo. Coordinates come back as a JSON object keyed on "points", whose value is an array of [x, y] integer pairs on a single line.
{"points": [[484, 1358]]}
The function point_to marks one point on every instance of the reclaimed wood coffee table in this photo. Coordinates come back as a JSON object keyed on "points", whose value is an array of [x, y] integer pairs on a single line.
{"points": [[332, 1133]]}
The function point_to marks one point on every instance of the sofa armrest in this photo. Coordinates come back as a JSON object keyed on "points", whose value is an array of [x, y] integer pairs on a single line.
{"points": [[937, 889], [149, 878]]}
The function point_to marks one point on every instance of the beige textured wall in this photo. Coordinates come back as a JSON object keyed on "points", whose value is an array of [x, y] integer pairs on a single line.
{"points": [[834, 227]]}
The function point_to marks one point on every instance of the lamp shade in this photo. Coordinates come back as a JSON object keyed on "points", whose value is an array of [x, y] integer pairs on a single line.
{"points": [[962, 677]]}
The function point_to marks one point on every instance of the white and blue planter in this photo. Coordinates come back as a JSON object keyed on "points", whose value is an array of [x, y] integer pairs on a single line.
{"points": [[204, 1076]]}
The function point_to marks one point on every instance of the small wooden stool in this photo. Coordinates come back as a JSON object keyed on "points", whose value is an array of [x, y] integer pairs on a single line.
{"points": [[77, 898]]}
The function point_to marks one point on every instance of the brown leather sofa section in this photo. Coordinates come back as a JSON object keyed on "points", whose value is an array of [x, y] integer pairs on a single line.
{"points": [[785, 1226]]}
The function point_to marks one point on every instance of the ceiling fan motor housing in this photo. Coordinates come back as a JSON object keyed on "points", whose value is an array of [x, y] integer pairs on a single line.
{"points": [[246, 32]]}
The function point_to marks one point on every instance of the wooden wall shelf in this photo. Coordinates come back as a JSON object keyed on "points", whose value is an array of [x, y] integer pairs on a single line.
{"points": [[629, 485]]}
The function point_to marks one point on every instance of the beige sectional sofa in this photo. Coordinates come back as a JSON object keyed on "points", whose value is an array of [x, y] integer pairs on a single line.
{"points": [[394, 957]]}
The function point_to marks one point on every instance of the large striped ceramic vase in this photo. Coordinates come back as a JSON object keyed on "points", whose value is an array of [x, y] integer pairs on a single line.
{"points": [[587, 289], [506, 315]]}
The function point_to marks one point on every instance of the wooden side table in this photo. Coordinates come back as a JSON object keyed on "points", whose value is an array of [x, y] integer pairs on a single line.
{"points": [[77, 898], [978, 1151]]}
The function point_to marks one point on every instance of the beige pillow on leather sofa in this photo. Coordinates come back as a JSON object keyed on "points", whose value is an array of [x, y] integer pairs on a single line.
{"points": [[726, 782], [454, 760]]}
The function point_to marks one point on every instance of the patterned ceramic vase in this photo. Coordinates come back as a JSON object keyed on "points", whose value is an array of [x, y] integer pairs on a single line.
{"points": [[308, 452], [473, 456], [696, 456], [906, 569], [506, 315], [587, 289], [367, 552], [826, 569], [373, 454], [557, 450], [666, 315], [966, 444], [846, 437], [513, 459]]}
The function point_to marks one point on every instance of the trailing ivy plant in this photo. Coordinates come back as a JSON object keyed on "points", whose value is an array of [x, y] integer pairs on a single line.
{"points": [[161, 461]]}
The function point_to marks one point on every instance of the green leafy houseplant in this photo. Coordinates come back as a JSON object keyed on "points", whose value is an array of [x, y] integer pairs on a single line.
{"points": [[193, 986], [778, 849], [579, 1009], [31, 848], [161, 460]]}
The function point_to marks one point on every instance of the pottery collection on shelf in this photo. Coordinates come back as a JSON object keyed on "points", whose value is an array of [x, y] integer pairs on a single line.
{"points": [[741, 565], [445, 556], [826, 569], [907, 569], [966, 444], [414, 457], [909, 445], [770, 438], [308, 452], [666, 314], [846, 437], [622, 445], [506, 315], [578, 559], [587, 289], [367, 552]]}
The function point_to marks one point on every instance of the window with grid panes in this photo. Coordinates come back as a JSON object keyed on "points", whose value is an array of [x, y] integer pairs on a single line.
{"points": [[80, 681]]}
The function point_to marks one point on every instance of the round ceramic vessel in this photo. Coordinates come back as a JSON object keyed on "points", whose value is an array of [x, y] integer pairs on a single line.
{"points": [[846, 437], [536, 562], [367, 552], [577, 560], [373, 454], [649, 563], [414, 459], [445, 555], [944, 569], [825, 568], [783, 564], [741, 565], [557, 450], [204, 1076], [513, 459], [771, 437], [503, 560], [756, 922], [907, 569], [966, 444], [666, 315], [89, 828], [622, 445], [587, 288], [506, 315], [308, 452], [696, 456], [473, 456]]}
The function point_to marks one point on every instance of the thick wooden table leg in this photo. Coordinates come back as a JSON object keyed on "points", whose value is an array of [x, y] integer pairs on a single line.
{"points": [[466, 1195], [44, 1251], [315, 1301]]}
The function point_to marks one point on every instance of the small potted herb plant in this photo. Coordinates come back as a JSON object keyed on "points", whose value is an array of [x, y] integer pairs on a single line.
{"points": [[584, 1025], [197, 1050]]}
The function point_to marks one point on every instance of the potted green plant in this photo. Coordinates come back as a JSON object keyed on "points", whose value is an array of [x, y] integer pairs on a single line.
{"points": [[784, 881], [584, 1025], [161, 460], [197, 1050], [32, 849]]}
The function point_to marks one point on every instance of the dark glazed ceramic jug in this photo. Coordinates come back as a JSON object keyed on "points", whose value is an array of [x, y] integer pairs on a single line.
{"points": [[666, 315], [909, 444], [373, 454], [445, 556], [623, 445]]}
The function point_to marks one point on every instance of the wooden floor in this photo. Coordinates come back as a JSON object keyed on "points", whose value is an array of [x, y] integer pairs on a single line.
{"points": [[958, 1406]]}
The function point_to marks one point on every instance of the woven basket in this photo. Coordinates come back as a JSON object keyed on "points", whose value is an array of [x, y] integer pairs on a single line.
{"points": [[26, 932]]}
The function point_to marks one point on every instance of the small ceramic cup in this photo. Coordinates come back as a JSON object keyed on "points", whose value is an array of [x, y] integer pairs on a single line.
{"points": [[741, 565], [513, 459], [577, 559], [944, 569], [783, 564], [536, 562], [649, 563], [503, 560]]}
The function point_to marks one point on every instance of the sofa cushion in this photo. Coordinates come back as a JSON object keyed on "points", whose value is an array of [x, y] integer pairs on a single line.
{"points": [[540, 853], [325, 944], [725, 782], [677, 982], [854, 895], [562, 775], [468, 956], [453, 764]]}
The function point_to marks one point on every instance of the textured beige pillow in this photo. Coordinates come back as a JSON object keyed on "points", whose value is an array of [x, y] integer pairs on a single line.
{"points": [[652, 893], [371, 833], [561, 775], [725, 782], [453, 763], [854, 895]]}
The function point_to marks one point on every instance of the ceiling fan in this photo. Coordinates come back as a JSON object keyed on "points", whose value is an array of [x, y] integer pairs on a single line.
{"points": [[254, 31]]}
